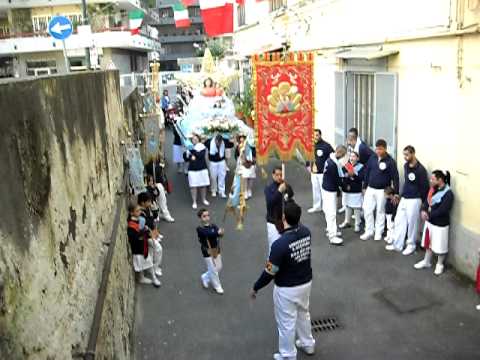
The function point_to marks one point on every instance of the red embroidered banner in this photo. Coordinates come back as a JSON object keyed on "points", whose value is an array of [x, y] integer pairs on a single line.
{"points": [[284, 102]]}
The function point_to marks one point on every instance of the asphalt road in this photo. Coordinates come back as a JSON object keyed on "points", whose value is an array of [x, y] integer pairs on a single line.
{"points": [[385, 309]]}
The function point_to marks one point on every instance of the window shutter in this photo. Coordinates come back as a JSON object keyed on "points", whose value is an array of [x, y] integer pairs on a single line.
{"points": [[340, 104], [385, 115]]}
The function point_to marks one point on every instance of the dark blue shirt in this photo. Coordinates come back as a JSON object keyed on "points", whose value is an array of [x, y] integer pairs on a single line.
{"points": [[290, 259], [322, 152], [216, 157], [331, 178], [365, 153], [208, 237], [439, 214], [381, 174], [416, 182], [353, 184], [273, 199], [200, 162]]}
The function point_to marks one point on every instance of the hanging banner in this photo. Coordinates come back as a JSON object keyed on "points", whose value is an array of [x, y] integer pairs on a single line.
{"points": [[284, 105]]}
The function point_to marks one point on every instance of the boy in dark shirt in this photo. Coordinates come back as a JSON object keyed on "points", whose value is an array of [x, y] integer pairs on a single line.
{"points": [[390, 212], [154, 240], [208, 235]]}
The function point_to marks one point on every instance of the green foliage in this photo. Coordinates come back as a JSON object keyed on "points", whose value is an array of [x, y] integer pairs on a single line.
{"points": [[217, 48], [244, 102]]}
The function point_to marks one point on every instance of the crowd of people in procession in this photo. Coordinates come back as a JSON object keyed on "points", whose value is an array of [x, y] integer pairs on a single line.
{"points": [[370, 186]]}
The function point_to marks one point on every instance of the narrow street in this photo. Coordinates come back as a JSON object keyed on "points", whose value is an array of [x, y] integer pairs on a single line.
{"points": [[384, 308]]}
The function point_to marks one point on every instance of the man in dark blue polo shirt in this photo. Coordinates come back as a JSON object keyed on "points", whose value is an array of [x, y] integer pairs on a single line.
{"points": [[381, 172], [322, 151], [274, 198], [414, 194], [289, 265]]}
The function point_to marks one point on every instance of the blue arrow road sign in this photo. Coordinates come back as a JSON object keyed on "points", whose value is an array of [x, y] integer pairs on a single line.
{"points": [[60, 27]]}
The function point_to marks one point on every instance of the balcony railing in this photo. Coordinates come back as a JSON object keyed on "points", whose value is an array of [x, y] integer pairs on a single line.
{"points": [[167, 39]]}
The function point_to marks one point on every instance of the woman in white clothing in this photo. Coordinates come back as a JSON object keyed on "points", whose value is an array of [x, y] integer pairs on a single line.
{"points": [[436, 213], [198, 177]]}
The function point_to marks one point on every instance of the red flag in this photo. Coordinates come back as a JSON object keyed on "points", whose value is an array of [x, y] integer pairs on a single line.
{"points": [[187, 3], [217, 16], [240, 2]]}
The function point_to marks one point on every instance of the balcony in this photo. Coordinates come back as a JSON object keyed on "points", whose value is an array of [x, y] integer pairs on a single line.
{"points": [[170, 39], [175, 56], [107, 38], [171, 20]]}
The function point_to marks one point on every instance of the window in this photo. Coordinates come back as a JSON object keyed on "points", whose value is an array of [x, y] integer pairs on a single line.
{"points": [[367, 101], [363, 106], [166, 12], [193, 11], [41, 67], [241, 14], [277, 4]]}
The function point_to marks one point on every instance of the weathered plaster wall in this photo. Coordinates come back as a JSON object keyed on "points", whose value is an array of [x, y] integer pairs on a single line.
{"points": [[61, 168]]}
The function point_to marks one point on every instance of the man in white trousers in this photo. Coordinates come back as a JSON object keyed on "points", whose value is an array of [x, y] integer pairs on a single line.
{"points": [[332, 182], [289, 265], [218, 167], [414, 193], [381, 172], [322, 151], [274, 201]]}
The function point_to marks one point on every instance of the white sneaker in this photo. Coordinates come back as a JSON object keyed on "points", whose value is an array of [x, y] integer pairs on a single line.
{"points": [[249, 193], [478, 307], [366, 236], [158, 272], [313, 210], [336, 241], [277, 356], [387, 239], [390, 247], [205, 283], [156, 282], [214, 194], [145, 280], [206, 203], [169, 219], [377, 237], [309, 350], [409, 250], [219, 290], [194, 206], [357, 228], [422, 265], [223, 196], [344, 225], [341, 210], [439, 268]]}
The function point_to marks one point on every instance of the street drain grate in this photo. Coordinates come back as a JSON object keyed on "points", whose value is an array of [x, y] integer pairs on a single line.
{"points": [[325, 324]]}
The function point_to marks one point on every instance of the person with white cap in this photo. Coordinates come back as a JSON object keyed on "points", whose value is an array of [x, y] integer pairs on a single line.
{"points": [[289, 265], [436, 213], [322, 151], [332, 181], [414, 193], [381, 172]]}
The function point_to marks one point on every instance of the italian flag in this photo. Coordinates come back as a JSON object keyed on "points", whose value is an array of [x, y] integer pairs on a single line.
{"points": [[135, 19], [217, 16], [180, 14]]}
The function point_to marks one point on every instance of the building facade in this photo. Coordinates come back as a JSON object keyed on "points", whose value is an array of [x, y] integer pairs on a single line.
{"points": [[179, 43], [26, 48], [406, 71]]}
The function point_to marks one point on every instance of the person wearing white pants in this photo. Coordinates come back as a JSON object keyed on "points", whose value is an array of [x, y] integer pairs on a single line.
{"points": [[414, 193], [289, 265], [381, 173], [332, 181], [208, 236], [322, 152], [274, 199], [218, 167]]}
